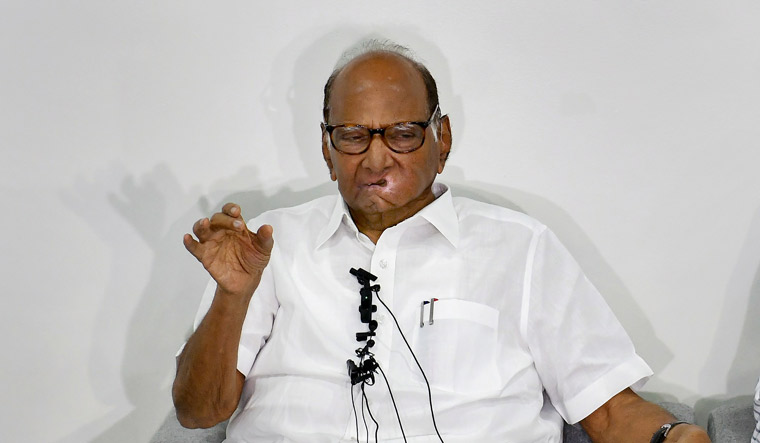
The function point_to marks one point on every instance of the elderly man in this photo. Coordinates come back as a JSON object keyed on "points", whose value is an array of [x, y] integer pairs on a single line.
{"points": [[479, 323]]}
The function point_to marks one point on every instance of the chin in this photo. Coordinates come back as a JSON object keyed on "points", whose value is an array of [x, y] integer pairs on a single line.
{"points": [[373, 206]]}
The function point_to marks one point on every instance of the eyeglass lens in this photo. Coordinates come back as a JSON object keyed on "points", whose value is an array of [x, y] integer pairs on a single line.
{"points": [[403, 137]]}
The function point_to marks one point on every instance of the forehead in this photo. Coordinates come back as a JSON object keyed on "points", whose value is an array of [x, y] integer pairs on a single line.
{"points": [[378, 88]]}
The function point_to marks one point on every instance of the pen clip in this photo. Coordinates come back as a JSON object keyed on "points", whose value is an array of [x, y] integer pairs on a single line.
{"points": [[432, 305]]}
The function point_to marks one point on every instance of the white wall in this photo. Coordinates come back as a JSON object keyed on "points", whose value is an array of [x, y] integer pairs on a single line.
{"points": [[629, 127]]}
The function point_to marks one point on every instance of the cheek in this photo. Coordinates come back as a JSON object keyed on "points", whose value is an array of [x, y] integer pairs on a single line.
{"points": [[425, 168], [344, 168]]}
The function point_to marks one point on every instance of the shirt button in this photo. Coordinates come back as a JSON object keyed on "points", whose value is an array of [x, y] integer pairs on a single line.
{"points": [[380, 319], [383, 263]]}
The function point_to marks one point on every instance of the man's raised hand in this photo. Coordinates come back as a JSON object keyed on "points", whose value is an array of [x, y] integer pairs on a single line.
{"points": [[234, 256]]}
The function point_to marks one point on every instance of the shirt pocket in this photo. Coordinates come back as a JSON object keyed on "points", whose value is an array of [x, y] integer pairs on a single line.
{"points": [[459, 351]]}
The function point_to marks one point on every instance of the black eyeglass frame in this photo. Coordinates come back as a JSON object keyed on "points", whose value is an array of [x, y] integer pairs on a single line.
{"points": [[381, 131]]}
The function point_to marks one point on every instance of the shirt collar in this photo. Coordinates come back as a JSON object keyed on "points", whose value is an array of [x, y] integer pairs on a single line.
{"points": [[339, 215], [440, 213]]}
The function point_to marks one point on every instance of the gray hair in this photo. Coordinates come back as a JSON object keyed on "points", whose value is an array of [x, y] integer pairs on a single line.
{"points": [[374, 46]]}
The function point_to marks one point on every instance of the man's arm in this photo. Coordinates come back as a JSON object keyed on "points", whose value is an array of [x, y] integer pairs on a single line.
{"points": [[208, 385], [627, 418]]}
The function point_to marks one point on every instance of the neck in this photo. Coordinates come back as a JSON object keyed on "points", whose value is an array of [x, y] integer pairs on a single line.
{"points": [[374, 224]]}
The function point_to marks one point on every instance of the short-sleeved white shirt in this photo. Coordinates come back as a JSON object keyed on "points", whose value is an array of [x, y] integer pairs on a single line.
{"points": [[520, 341]]}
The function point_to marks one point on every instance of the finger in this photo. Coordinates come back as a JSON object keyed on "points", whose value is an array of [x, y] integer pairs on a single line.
{"points": [[265, 239], [201, 229], [232, 210], [223, 221], [192, 246]]}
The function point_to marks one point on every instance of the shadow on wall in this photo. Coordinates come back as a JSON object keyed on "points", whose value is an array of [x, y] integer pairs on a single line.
{"points": [[164, 313], [160, 211], [311, 69], [145, 204], [742, 301], [163, 316]]}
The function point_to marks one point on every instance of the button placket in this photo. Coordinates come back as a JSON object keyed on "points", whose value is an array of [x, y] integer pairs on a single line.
{"points": [[382, 266]]}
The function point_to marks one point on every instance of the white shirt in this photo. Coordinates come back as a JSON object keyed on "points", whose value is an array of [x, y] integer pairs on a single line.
{"points": [[521, 339]]}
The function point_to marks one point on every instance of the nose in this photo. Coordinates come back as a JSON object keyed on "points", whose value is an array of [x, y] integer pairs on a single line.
{"points": [[378, 156]]}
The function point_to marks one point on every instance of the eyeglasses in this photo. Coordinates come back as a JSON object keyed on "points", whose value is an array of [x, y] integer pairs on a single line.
{"points": [[402, 137]]}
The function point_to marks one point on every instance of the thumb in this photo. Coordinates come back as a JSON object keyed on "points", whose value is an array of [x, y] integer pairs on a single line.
{"points": [[264, 235]]}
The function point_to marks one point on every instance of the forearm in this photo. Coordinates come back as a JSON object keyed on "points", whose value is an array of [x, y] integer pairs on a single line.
{"points": [[637, 423], [207, 387], [627, 418]]}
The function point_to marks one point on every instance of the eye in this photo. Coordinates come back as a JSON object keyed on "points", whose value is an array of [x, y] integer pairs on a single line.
{"points": [[354, 137], [350, 134], [404, 132]]}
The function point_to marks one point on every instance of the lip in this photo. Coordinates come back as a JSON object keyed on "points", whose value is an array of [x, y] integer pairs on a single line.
{"points": [[376, 184]]}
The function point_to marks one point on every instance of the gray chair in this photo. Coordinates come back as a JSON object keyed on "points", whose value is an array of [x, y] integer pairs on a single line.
{"points": [[172, 432], [731, 422]]}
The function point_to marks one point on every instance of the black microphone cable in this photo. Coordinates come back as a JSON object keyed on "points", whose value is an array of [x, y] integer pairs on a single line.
{"points": [[366, 309], [364, 419], [365, 400], [427, 384], [356, 416], [365, 403], [393, 400]]}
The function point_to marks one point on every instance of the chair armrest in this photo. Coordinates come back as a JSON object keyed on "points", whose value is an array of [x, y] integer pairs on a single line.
{"points": [[731, 422], [173, 432]]}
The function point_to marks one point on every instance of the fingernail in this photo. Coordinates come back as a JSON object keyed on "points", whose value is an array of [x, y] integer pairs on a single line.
{"points": [[237, 224]]}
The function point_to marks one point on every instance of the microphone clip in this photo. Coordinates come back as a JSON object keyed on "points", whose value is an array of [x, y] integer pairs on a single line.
{"points": [[363, 373]]}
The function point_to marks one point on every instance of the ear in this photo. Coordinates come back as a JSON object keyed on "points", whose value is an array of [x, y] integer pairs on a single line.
{"points": [[444, 142], [326, 153]]}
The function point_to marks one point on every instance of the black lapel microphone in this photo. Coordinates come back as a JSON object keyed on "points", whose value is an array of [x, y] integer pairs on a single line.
{"points": [[365, 370]]}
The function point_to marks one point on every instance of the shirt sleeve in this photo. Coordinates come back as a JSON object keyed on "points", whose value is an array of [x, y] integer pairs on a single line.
{"points": [[258, 319], [581, 351]]}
